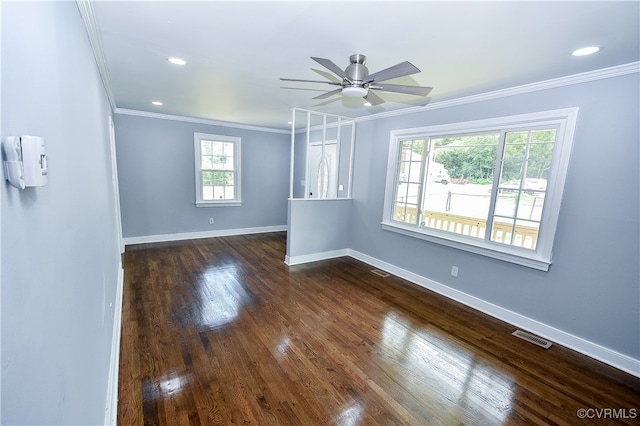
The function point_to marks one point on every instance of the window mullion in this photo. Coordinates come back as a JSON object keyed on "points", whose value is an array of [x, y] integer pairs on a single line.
{"points": [[423, 179], [396, 192], [497, 171]]}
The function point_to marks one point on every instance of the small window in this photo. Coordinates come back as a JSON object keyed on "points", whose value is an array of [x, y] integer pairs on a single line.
{"points": [[492, 187], [217, 170]]}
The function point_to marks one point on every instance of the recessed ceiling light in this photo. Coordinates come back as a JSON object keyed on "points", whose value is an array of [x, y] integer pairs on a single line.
{"points": [[584, 51], [367, 104], [156, 103], [176, 61]]}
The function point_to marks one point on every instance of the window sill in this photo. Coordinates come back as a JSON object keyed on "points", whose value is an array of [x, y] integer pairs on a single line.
{"points": [[226, 203], [508, 254]]}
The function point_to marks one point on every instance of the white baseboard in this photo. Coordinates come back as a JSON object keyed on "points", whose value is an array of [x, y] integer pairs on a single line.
{"points": [[314, 257], [202, 234], [578, 344], [111, 409]]}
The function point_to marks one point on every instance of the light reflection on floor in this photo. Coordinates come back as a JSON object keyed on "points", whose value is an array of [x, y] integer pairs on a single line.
{"points": [[283, 346], [450, 371], [350, 416], [220, 296], [171, 385], [165, 387]]}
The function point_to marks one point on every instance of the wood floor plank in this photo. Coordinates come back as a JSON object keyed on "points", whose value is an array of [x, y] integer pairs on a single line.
{"points": [[221, 332]]}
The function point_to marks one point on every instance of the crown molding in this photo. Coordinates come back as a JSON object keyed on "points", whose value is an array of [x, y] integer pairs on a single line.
{"points": [[615, 71], [199, 121], [88, 17]]}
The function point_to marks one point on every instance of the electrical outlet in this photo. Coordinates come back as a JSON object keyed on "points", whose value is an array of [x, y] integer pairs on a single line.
{"points": [[210, 221], [454, 271]]}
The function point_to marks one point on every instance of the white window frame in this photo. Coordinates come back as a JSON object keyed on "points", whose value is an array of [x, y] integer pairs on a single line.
{"points": [[200, 202], [540, 258]]}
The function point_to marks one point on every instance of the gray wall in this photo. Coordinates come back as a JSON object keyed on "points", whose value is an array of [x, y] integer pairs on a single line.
{"points": [[592, 289], [156, 172], [317, 226], [60, 260]]}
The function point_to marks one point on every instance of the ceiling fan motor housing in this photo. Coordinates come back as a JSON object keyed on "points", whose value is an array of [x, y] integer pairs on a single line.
{"points": [[357, 71]]}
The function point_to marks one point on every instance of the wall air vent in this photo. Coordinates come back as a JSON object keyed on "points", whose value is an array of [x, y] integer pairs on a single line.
{"points": [[532, 339], [379, 273]]}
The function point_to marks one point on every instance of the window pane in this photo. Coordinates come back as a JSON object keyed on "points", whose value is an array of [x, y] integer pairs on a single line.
{"points": [[521, 233], [460, 178], [207, 193], [506, 204], [222, 162], [227, 149], [530, 207], [207, 178], [205, 147], [207, 162], [218, 192], [217, 148], [523, 184], [413, 192], [402, 192], [222, 178], [229, 193], [407, 213], [514, 151], [502, 230], [409, 181]]}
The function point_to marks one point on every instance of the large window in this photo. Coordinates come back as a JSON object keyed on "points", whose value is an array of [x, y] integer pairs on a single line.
{"points": [[217, 170], [492, 187]]}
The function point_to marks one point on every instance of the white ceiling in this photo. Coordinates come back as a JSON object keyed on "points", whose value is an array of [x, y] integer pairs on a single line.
{"points": [[236, 51]]}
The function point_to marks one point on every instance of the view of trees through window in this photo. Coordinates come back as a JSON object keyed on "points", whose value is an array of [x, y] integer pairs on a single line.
{"points": [[468, 184]]}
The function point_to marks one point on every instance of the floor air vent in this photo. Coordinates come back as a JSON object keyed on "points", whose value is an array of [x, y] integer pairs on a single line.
{"points": [[532, 339], [379, 273]]}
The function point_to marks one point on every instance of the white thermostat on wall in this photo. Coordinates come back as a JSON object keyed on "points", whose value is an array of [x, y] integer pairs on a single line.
{"points": [[25, 161]]}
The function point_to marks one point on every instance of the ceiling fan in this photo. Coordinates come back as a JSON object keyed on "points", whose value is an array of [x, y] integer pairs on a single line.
{"points": [[358, 83]]}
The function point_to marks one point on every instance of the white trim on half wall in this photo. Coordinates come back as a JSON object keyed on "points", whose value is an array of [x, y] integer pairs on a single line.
{"points": [[202, 234]]}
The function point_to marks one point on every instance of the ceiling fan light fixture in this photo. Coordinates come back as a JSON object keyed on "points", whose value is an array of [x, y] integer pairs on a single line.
{"points": [[354, 92]]}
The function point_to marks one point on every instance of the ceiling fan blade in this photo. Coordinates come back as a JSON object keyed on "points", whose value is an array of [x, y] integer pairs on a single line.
{"points": [[327, 75], [399, 70], [302, 88], [402, 88], [311, 81], [328, 64], [328, 94], [374, 99], [327, 102]]}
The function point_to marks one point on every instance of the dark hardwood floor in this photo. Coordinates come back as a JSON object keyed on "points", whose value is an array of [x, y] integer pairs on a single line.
{"points": [[221, 331]]}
